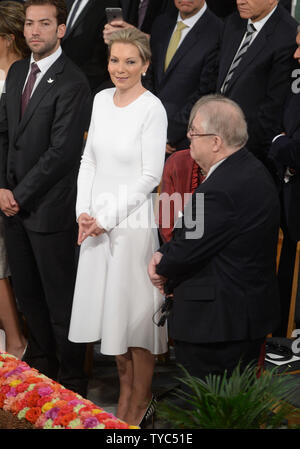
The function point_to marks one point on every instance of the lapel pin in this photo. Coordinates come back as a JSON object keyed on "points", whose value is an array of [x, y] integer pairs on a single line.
{"points": [[50, 80]]}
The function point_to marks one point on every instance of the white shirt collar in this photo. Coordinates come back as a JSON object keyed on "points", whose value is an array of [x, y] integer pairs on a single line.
{"points": [[45, 63], [260, 23], [190, 22], [213, 167]]}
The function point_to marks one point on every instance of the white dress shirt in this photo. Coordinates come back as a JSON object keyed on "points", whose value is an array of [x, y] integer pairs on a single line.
{"points": [[44, 64], [258, 27], [190, 22]]}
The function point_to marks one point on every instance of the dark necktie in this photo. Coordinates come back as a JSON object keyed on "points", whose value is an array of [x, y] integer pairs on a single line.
{"points": [[142, 12], [71, 19], [29, 86], [238, 57]]}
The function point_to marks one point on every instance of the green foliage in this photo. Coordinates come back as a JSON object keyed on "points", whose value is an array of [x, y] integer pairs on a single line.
{"points": [[241, 401]]}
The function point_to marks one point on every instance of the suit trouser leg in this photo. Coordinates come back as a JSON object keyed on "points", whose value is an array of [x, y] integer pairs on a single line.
{"points": [[201, 359], [46, 301]]}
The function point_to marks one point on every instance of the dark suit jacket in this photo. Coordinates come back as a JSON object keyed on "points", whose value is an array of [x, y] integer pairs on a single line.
{"points": [[155, 8], [224, 282], [192, 72], [222, 8], [261, 82], [85, 45], [287, 4], [285, 152], [40, 153]]}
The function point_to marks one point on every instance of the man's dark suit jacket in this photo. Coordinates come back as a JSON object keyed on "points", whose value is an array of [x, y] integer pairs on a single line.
{"points": [[224, 283], [155, 8], [85, 45], [222, 8], [192, 72], [40, 153], [261, 82], [285, 152]]}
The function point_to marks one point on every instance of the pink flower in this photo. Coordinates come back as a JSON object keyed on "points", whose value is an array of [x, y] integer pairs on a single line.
{"points": [[45, 391], [89, 423]]}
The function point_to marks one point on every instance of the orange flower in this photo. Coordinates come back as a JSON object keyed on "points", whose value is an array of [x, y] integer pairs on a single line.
{"points": [[64, 420], [33, 414]]}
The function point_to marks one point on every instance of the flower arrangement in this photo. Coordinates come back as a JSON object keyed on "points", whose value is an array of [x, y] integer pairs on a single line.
{"points": [[44, 403]]}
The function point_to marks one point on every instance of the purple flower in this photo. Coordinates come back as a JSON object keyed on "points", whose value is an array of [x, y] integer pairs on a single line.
{"points": [[45, 391], [90, 422], [52, 413], [11, 392], [75, 402]]}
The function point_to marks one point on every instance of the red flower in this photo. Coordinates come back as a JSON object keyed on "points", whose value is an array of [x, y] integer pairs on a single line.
{"points": [[33, 414], [43, 400], [5, 389], [32, 398], [103, 416], [65, 410], [85, 409], [22, 387], [33, 379], [113, 424], [64, 420], [2, 399]]}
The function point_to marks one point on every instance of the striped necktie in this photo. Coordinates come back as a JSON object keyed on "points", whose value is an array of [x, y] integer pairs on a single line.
{"points": [[238, 57], [71, 18], [174, 42]]}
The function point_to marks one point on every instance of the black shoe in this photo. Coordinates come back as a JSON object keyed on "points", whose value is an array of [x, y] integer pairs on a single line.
{"points": [[149, 414]]}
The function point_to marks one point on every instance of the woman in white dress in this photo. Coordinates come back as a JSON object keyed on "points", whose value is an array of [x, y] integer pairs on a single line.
{"points": [[12, 48], [114, 300]]}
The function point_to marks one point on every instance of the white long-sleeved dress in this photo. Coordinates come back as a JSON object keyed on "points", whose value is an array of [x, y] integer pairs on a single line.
{"points": [[114, 299]]}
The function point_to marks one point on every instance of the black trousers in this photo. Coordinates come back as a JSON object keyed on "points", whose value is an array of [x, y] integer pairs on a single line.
{"points": [[43, 269], [201, 359]]}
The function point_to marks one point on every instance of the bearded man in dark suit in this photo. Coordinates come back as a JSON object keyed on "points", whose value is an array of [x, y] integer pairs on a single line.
{"points": [[43, 117]]}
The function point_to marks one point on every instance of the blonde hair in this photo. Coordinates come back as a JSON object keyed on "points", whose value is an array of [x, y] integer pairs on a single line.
{"points": [[132, 36], [12, 18]]}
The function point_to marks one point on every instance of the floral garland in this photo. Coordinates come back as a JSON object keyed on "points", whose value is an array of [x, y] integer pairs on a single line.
{"points": [[46, 404]]}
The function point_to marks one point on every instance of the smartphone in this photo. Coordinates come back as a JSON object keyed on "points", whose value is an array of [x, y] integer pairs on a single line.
{"points": [[114, 14]]}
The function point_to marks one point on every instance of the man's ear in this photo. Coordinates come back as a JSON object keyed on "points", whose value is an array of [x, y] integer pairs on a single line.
{"points": [[61, 30]]}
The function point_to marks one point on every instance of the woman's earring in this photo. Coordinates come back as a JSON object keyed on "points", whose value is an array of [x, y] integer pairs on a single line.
{"points": [[144, 74]]}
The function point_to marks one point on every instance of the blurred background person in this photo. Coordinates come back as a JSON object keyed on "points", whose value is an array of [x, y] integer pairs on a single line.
{"points": [[83, 42], [184, 67], [256, 61], [285, 155], [123, 161], [12, 48]]}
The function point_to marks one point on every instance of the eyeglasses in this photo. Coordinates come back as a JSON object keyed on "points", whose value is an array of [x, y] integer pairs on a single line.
{"points": [[200, 135], [191, 134]]}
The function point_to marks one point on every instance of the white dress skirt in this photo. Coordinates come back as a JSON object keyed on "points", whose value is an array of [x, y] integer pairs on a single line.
{"points": [[114, 300]]}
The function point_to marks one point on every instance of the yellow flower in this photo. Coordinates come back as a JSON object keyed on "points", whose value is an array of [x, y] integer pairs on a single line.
{"points": [[95, 411], [14, 383], [47, 406]]}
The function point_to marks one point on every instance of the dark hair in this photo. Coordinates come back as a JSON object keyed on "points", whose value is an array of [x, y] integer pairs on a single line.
{"points": [[60, 5], [12, 18]]}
